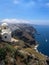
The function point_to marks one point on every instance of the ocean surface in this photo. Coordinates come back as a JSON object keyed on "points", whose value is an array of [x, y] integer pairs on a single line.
{"points": [[43, 38]]}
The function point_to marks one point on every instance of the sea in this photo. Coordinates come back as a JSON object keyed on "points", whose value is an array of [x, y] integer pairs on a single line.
{"points": [[42, 37]]}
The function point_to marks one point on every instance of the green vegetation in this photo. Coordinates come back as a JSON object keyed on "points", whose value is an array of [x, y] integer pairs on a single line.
{"points": [[0, 31], [2, 53], [7, 48]]}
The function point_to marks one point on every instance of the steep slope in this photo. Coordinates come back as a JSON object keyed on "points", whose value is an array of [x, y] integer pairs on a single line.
{"points": [[25, 32], [21, 52]]}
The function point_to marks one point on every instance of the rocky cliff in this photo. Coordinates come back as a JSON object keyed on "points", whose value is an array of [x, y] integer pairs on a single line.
{"points": [[21, 52]]}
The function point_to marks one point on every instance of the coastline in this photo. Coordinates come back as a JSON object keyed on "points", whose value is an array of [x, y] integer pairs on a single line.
{"points": [[38, 51]]}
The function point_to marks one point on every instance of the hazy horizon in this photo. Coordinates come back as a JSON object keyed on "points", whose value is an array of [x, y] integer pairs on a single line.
{"points": [[35, 22]]}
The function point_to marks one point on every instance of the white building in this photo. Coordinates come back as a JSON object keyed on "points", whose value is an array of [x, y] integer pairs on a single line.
{"points": [[5, 32]]}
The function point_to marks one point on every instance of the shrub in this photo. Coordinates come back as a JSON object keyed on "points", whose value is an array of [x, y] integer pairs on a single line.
{"points": [[2, 53]]}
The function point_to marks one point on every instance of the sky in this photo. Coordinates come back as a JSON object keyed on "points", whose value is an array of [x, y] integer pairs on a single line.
{"points": [[30, 11]]}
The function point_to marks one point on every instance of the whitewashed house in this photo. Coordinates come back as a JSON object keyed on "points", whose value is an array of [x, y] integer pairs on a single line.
{"points": [[5, 32]]}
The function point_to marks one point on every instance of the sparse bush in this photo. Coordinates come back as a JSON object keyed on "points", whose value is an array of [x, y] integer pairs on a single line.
{"points": [[2, 53], [10, 49]]}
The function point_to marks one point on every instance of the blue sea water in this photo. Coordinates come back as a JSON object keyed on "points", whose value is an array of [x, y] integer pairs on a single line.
{"points": [[43, 38]]}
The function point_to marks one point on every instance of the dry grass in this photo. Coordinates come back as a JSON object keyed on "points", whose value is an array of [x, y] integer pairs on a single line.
{"points": [[37, 54], [29, 50]]}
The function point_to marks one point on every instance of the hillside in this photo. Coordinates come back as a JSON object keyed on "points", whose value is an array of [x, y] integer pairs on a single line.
{"points": [[21, 52], [24, 32]]}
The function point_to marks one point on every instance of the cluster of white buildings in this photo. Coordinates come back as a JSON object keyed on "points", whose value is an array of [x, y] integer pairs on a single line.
{"points": [[5, 32]]}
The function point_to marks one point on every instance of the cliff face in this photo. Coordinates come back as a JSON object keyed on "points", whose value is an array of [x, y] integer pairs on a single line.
{"points": [[21, 52], [25, 32]]}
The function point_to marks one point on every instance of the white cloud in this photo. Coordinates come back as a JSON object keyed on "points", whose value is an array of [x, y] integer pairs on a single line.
{"points": [[15, 21], [38, 22]]}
